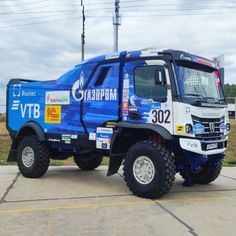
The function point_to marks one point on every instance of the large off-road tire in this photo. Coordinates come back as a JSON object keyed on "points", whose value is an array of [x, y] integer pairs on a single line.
{"points": [[33, 157], [149, 169], [207, 174], [88, 161]]}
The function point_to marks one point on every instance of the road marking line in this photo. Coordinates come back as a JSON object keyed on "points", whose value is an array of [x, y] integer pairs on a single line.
{"points": [[128, 203]]}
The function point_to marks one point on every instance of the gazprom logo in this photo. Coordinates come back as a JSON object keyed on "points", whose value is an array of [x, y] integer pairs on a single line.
{"points": [[77, 88], [104, 94]]}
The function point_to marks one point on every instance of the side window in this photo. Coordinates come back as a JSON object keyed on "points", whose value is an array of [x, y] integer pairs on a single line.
{"points": [[102, 75], [106, 76], [150, 82]]}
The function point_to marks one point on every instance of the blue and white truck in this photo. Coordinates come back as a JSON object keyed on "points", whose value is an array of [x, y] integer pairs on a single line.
{"points": [[157, 112]]}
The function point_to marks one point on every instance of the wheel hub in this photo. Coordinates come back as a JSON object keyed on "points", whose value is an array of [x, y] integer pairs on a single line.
{"points": [[28, 156], [143, 170]]}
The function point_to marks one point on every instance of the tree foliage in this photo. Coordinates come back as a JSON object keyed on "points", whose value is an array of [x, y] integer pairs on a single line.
{"points": [[230, 90]]}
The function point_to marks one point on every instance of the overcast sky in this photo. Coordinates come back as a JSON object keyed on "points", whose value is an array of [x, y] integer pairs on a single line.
{"points": [[40, 39]]}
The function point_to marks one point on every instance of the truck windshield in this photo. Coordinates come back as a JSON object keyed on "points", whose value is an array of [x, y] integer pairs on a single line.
{"points": [[199, 86]]}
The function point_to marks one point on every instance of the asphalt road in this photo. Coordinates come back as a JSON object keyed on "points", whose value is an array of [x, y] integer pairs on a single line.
{"points": [[67, 201]]}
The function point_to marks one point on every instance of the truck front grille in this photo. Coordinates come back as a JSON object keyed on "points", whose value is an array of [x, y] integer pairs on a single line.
{"points": [[211, 128]]}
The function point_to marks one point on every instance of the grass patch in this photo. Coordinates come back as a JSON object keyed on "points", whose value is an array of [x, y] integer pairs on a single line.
{"points": [[230, 158], [5, 144], [3, 118], [3, 130]]}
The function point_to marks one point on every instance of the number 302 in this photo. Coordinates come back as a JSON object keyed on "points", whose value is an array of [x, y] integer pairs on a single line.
{"points": [[160, 116]]}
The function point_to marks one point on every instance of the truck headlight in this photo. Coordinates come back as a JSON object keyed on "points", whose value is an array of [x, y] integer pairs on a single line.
{"points": [[188, 129]]}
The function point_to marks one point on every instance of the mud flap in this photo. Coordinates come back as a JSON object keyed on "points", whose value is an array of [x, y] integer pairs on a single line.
{"points": [[114, 165]]}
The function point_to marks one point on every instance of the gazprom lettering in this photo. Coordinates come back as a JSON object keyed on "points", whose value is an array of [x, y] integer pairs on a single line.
{"points": [[78, 93], [96, 95], [100, 94]]}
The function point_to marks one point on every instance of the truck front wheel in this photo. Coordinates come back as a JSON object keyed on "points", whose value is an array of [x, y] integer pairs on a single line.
{"points": [[32, 157], [207, 174], [88, 161], [149, 169]]}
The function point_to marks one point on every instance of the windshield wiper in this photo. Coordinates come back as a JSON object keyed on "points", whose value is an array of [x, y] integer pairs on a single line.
{"points": [[195, 95], [216, 99]]}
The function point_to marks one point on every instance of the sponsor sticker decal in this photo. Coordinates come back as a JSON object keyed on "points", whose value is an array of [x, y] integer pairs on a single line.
{"points": [[156, 105], [103, 137], [53, 140], [74, 136], [57, 98], [52, 114], [198, 128], [125, 106], [92, 136], [105, 94], [180, 129], [222, 127], [65, 137]]}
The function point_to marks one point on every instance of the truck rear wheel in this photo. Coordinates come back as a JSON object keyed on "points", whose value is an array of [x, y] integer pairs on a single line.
{"points": [[149, 169], [32, 157], [207, 174], [88, 161]]}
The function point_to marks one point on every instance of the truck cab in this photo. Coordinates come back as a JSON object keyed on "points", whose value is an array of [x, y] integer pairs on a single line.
{"points": [[157, 112]]}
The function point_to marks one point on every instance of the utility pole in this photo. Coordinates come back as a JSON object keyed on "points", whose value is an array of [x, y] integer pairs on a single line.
{"points": [[116, 23], [83, 32]]}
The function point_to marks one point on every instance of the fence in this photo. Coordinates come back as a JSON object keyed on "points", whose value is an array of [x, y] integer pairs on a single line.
{"points": [[231, 101]]}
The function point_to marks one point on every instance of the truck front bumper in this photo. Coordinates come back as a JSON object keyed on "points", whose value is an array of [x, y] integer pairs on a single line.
{"points": [[204, 147]]}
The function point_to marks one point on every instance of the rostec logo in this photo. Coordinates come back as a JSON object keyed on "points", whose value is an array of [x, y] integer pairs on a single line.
{"points": [[16, 90], [105, 94], [52, 114]]}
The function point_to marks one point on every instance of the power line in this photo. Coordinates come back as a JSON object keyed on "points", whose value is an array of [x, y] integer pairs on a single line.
{"points": [[21, 3], [187, 7], [129, 16], [36, 12], [163, 15], [37, 17], [40, 22], [200, 6], [191, 14]]}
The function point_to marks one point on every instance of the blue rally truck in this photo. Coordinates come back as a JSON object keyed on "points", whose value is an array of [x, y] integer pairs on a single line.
{"points": [[156, 111]]}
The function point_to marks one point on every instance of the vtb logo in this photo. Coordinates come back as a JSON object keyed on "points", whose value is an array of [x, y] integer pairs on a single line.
{"points": [[52, 114]]}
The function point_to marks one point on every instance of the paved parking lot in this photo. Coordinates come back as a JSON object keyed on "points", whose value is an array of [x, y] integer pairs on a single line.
{"points": [[67, 201]]}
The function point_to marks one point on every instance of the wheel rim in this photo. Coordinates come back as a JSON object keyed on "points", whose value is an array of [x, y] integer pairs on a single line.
{"points": [[28, 156], [143, 170]]}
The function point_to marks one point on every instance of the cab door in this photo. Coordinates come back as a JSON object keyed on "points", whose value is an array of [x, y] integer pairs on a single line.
{"points": [[101, 97], [149, 93]]}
